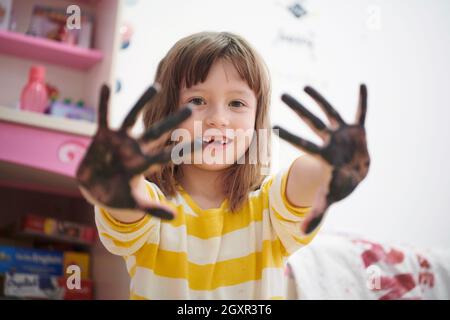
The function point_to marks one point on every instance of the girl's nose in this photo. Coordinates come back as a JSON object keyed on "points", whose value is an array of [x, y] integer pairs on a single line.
{"points": [[217, 118]]}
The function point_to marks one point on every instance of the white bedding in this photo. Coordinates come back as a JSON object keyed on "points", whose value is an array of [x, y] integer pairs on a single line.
{"points": [[337, 266]]}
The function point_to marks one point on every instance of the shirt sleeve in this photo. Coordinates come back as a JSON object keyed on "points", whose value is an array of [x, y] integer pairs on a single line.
{"points": [[124, 239], [285, 218]]}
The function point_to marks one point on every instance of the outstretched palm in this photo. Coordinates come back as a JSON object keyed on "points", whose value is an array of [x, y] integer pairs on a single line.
{"points": [[345, 149], [114, 158]]}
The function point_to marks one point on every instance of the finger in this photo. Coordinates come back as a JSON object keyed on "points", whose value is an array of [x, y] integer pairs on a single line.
{"points": [[362, 105], [311, 120], [131, 117], [332, 115], [177, 154], [103, 107], [185, 154], [159, 158], [160, 213], [305, 145], [318, 209], [311, 224], [155, 145], [157, 210], [172, 121]]}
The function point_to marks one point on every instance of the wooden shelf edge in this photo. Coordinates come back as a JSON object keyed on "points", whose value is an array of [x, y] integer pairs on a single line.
{"points": [[25, 46], [45, 121], [16, 176]]}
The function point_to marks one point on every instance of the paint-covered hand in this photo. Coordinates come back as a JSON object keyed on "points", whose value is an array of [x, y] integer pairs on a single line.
{"points": [[114, 159], [344, 149]]}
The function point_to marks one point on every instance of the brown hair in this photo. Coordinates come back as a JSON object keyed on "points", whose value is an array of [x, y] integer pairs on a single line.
{"points": [[188, 62]]}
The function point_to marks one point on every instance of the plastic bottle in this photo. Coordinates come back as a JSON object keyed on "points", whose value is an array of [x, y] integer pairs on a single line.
{"points": [[34, 95]]}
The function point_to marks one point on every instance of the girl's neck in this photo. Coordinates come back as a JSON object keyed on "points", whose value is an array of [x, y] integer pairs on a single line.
{"points": [[202, 183]]}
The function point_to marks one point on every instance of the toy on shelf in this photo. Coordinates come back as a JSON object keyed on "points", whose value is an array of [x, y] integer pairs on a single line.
{"points": [[69, 110], [53, 92], [39, 96], [42, 97], [34, 96]]}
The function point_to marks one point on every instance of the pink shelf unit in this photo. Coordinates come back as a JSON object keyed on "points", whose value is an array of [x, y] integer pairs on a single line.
{"points": [[40, 148], [51, 151], [24, 46]]}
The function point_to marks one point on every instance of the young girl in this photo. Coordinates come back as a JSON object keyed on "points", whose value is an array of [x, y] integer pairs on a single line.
{"points": [[214, 230]]}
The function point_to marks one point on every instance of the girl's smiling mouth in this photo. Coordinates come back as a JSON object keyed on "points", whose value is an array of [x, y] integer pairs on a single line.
{"points": [[216, 141]]}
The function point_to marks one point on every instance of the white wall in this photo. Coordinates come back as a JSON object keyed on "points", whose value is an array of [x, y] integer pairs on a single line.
{"points": [[399, 48]]}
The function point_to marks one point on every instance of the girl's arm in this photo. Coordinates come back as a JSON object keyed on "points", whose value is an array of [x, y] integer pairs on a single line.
{"points": [[306, 177], [328, 173]]}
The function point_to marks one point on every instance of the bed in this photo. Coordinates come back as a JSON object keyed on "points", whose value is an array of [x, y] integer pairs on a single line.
{"points": [[343, 266]]}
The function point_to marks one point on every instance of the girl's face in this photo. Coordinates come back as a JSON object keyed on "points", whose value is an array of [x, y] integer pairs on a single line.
{"points": [[223, 116]]}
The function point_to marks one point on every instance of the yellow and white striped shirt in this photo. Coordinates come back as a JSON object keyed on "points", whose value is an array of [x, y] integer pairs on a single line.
{"points": [[213, 253]]}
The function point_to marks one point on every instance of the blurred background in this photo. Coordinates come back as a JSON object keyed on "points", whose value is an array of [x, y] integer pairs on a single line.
{"points": [[50, 75]]}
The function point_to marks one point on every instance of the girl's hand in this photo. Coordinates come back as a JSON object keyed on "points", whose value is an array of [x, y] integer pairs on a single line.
{"points": [[107, 175], [344, 149]]}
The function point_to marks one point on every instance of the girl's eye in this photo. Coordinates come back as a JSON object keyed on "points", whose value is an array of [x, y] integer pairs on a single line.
{"points": [[237, 104], [197, 101]]}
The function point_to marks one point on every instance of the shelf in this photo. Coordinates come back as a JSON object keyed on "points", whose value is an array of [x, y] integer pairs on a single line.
{"points": [[39, 236], [22, 177], [24, 46], [46, 143], [40, 120]]}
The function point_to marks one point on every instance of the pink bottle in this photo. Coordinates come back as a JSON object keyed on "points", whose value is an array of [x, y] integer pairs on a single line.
{"points": [[34, 95]]}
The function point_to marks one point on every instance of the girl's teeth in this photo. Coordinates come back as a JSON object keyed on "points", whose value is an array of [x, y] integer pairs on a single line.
{"points": [[217, 142]]}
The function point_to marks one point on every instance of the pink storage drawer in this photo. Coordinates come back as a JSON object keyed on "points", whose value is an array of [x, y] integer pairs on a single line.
{"points": [[53, 151]]}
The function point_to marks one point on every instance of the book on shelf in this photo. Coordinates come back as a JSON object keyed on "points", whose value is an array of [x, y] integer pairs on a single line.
{"points": [[44, 274], [33, 286], [58, 230]]}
